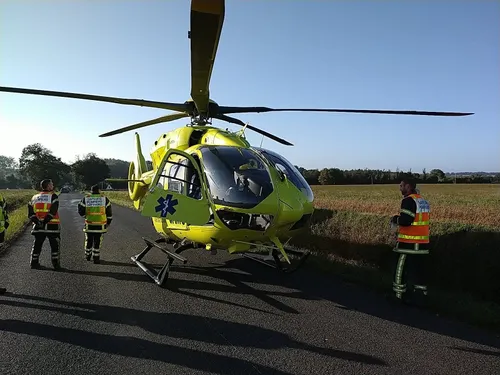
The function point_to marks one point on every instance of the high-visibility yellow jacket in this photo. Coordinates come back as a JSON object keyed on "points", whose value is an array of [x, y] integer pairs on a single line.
{"points": [[96, 208]]}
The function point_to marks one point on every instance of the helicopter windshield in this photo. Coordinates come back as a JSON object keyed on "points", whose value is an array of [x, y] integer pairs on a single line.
{"points": [[236, 177], [289, 170]]}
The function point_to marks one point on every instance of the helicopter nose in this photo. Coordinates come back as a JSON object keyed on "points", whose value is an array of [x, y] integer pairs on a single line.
{"points": [[291, 210]]}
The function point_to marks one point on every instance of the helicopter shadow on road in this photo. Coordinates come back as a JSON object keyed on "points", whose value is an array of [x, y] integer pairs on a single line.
{"points": [[477, 351], [175, 325], [133, 347], [238, 283], [140, 277], [351, 297]]}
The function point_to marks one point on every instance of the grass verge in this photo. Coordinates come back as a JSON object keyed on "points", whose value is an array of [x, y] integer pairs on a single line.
{"points": [[17, 211]]}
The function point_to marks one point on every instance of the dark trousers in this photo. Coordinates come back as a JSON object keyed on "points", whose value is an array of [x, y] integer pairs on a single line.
{"points": [[54, 240], [93, 244], [2, 237], [410, 275]]}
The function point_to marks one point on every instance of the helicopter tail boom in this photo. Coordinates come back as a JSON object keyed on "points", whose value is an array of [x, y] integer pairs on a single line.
{"points": [[139, 177]]}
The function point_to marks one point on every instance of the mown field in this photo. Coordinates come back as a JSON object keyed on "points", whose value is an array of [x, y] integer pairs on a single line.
{"points": [[351, 223]]}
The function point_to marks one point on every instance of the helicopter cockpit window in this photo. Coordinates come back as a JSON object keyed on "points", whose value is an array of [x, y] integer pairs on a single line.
{"points": [[236, 176], [179, 175], [292, 174]]}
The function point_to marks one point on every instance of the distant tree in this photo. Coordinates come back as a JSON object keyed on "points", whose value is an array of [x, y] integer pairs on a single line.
{"points": [[424, 174], [325, 178], [90, 170], [37, 163], [8, 165], [437, 173], [117, 168], [310, 175], [336, 176]]}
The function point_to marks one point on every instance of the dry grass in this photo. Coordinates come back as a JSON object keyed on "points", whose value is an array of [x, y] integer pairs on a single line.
{"points": [[351, 225], [477, 205], [361, 214], [120, 197]]}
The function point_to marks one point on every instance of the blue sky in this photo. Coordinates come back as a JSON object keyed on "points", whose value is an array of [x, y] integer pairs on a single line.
{"points": [[442, 56]]}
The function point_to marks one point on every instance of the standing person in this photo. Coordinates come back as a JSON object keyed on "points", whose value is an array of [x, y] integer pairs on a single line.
{"points": [[412, 245], [96, 208], [43, 211], [4, 224], [4, 218]]}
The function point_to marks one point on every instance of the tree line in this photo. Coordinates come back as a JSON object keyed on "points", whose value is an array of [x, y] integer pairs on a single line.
{"points": [[335, 176], [37, 163]]}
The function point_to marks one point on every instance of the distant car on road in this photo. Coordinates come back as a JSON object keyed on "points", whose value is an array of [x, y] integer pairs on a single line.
{"points": [[65, 190]]}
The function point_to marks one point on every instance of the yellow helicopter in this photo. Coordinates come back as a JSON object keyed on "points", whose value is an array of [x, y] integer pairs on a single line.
{"points": [[209, 187]]}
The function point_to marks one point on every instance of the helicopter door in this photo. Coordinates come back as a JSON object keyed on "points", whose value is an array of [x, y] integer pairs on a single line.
{"points": [[177, 192]]}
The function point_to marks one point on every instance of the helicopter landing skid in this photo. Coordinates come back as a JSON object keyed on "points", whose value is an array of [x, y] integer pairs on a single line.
{"points": [[161, 276], [277, 263]]}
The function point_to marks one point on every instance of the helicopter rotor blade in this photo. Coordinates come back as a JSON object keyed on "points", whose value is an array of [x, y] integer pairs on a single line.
{"points": [[223, 110], [207, 18], [171, 117], [180, 107], [257, 130]]}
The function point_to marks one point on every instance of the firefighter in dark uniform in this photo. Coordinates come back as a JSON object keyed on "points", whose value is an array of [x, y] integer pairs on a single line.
{"points": [[43, 212], [412, 247], [96, 208], [4, 224]]}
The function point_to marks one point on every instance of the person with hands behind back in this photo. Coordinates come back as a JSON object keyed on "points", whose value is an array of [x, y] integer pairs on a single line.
{"points": [[43, 211], [98, 214]]}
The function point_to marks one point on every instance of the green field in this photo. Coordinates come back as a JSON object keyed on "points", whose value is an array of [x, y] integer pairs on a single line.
{"points": [[17, 210]]}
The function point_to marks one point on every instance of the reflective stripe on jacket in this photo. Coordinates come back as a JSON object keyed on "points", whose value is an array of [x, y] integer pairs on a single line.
{"points": [[41, 204], [418, 231], [95, 213]]}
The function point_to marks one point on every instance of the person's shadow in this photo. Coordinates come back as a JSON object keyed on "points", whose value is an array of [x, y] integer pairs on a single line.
{"points": [[191, 327]]}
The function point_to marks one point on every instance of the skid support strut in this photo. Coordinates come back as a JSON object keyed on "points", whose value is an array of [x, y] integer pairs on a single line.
{"points": [[161, 276], [278, 263]]}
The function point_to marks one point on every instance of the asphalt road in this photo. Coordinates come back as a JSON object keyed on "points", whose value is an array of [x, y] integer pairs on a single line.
{"points": [[222, 315]]}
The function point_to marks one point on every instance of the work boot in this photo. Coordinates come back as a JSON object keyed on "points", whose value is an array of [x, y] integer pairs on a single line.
{"points": [[3, 290], [96, 255], [34, 264], [88, 254], [56, 265]]}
